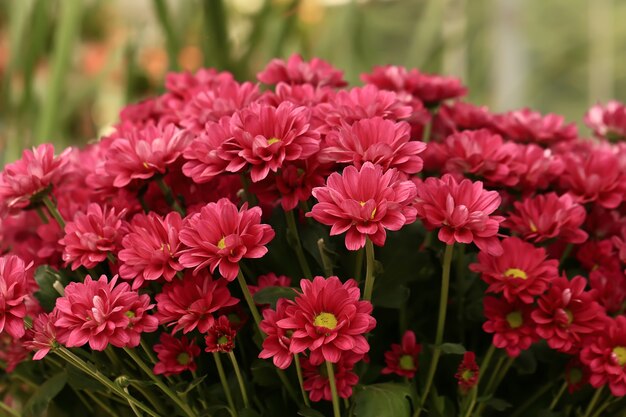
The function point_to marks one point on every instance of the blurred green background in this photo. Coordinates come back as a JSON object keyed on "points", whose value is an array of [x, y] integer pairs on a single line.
{"points": [[68, 66]]}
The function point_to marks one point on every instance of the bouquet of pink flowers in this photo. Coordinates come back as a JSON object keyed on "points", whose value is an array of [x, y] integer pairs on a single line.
{"points": [[397, 252]]}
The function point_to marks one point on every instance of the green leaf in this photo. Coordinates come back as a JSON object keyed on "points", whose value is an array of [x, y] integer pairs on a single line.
{"points": [[271, 295], [264, 373], [498, 404], [47, 295], [387, 399], [452, 348], [309, 412], [38, 403], [192, 385]]}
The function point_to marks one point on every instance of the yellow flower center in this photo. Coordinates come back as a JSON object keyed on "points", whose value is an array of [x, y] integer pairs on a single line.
{"points": [[183, 358], [130, 314], [222, 340], [362, 203], [407, 363], [514, 318], [533, 228], [466, 375], [327, 320], [272, 141], [222, 243], [619, 353], [145, 165], [515, 273]]}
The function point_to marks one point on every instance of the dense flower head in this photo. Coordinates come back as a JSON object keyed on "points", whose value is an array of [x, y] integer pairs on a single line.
{"points": [[91, 235], [295, 70], [607, 121], [364, 203], [458, 116], [37, 171], [539, 167], [191, 302], [376, 140], [102, 312], [548, 216], [12, 352], [316, 381], [149, 248], [176, 355], [220, 236], [328, 319], [468, 372], [609, 285], [526, 125], [596, 253], [221, 336], [403, 358], [269, 280], [277, 340], [42, 337], [566, 314], [605, 355], [511, 324], [462, 210], [522, 272], [16, 279]]}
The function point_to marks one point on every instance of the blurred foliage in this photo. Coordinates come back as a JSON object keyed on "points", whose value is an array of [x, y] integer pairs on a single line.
{"points": [[68, 66]]}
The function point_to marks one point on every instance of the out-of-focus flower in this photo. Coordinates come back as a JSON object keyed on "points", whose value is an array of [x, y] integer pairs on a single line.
{"points": [[403, 358], [295, 70], [175, 355]]}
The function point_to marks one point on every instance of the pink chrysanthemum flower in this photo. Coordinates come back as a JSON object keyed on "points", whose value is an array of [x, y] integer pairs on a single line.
{"points": [[277, 340], [12, 352], [149, 248], [221, 236], [316, 381], [526, 125], [269, 280], [522, 272], [609, 285], [510, 323], [90, 236], [37, 171], [458, 116], [608, 121], [328, 318], [376, 140], [296, 71], [42, 337], [191, 302], [605, 355], [403, 358], [102, 312], [175, 355], [463, 211], [364, 203], [567, 313], [548, 216], [16, 280], [468, 372], [221, 336], [540, 167], [143, 153]]}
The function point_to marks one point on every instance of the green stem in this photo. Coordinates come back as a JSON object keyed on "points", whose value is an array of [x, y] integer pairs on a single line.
{"points": [[333, 389], [533, 399], [166, 390], [369, 272], [216, 32], [41, 214], [52, 209], [485, 363], [326, 261], [495, 380], [558, 396], [292, 230], [101, 403], [169, 196], [149, 353], [305, 398], [441, 321], [566, 253], [594, 401], [242, 386], [249, 300], [132, 406], [472, 403], [224, 382], [9, 410], [148, 395], [171, 43]]}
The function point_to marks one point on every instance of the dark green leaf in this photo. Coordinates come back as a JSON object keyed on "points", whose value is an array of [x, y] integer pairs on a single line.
{"points": [[46, 276], [388, 399], [498, 404], [264, 373], [271, 295], [38, 403], [309, 412], [452, 348]]}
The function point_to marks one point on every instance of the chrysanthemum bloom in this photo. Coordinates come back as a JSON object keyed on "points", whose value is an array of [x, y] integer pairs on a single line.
{"points": [[316, 381], [143, 153], [376, 140], [596, 253], [468, 372], [42, 337], [481, 153], [328, 318], [510, 323], [609, 285], [403, 358], [221, 236], [605, 355], [462, 210], [608, 121], [38, 170], [277, 340], [364, 203], [567, 313], [269, 280], [221, 336], [526, 125], [102, 312], [12, 352], [90, 236], [596, 177], [458, 116], [540, 167], [296, 71], [548, 216], [175, 355], [191, 302], [576, 374], [269, 136], [15, 286], [149, 248], [522, 272]]}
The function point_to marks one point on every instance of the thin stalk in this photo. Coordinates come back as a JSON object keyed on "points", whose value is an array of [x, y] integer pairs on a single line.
{"points": [[531, 400], [333, 389], [369, 272], [169, 196], [292, 230], [149, 353], [495, 380], [558, 396], [101, 403], [242, 386], [249, 300], [53, 211], [132, 406], [428, 129], [171, 42], [472, 403], [594, 400], [441, 321], [485, 363], [566, 253], [41, 215], [224, 381], [9, 410], [326, 261], [283, 379], [305, 398], [148, 395], [494, 375]]}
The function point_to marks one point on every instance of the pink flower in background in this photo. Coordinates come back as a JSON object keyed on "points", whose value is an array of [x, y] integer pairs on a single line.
{"points": [[526, 125], [38, 170], [269, 280], [221, 236], [609, 284], [12, 352], [548, 216], [510, 324], [458, 116], [221, 336], [403, 358], [277, 340], [364, 203], [316, 381], [607, 121], [16, 282], [149, 248], [296, 71], [175, 355], [90, 236], [42, 337], [539, 167], [462, 210], [468, 372]]}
